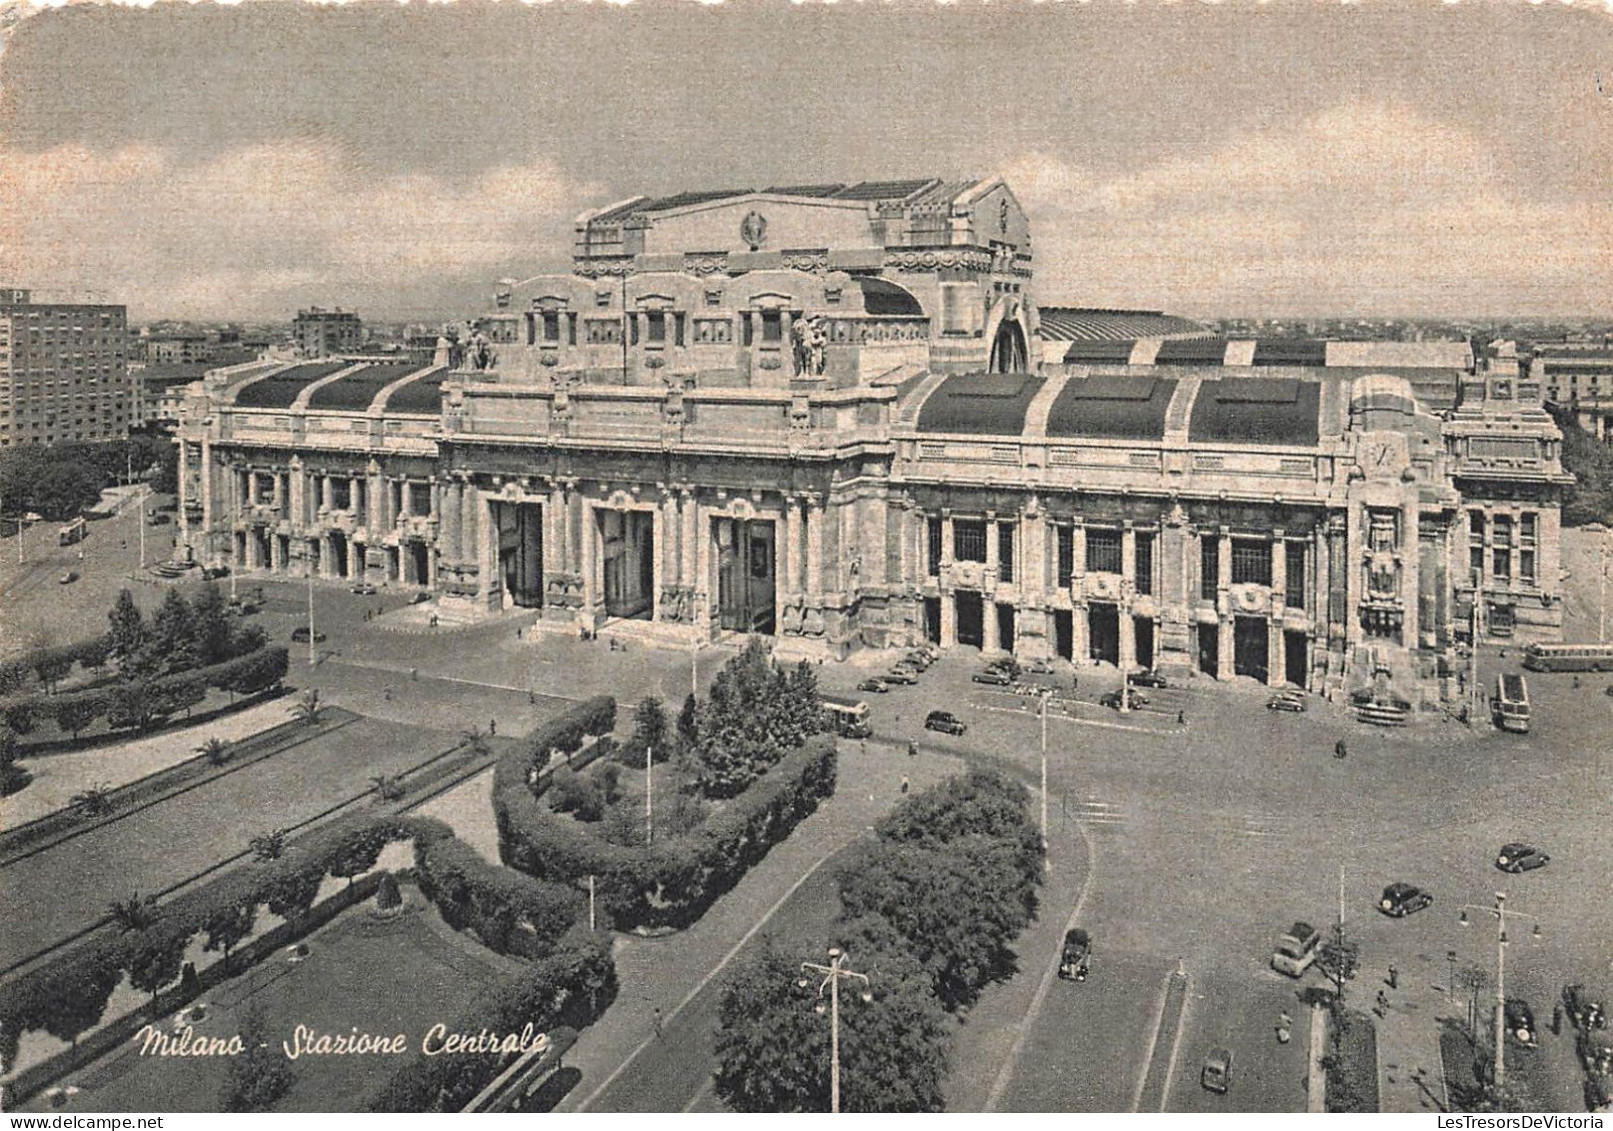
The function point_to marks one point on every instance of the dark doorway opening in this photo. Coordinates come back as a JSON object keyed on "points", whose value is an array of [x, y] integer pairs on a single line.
{"points": [[1210, 650], [1251, 655], [1103, 633], [419, 563], [520, 551], [745, 575], [627, 544], [1008, 348], [1143, 633], [971, 618], [338, 554], [1296, 658], [932, 619], [284, 542], [1005, 627], [1064, 633]]}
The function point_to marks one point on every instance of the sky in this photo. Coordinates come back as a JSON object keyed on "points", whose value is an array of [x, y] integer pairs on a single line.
{"points": [[1284, 159]]}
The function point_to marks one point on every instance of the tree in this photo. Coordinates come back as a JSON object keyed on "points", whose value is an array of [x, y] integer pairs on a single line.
{"points": [[388, 786], [127, 632], [96, 801], [387, 896], [172, 638], [261, 1074], [135, 705], [53, 667], [210, 625], [474, 742], [1473, 980], [268, 846], [308, 708], [1338, 958], [134, 913], [216, 750], [773, 1046], [155, 961], [228, 926], [75, 712], [78, 1000], [650, 729], [689, 724]]}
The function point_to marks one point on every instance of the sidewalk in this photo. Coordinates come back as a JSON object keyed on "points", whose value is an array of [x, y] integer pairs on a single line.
{"points": [[1410, 1078], [668, 973]]}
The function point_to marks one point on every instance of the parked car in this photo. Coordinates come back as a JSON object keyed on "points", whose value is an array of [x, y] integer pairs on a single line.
{"points": [[1135, 699], [157, 518], [1517, 857], [1400, 899], [1037, 667], [300, 636], [68, 578], [901, 676], [1285, 703], [1521, 1022], [996, 676], [917, 659], [364, 589], [1076, 958], [876, 685], [1217, 1074], [1148, 678], [1296, 949], [944, 721], [1584, 1011]]}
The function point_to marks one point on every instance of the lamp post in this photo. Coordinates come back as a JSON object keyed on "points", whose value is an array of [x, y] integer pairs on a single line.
{"points": [[1499, 910], [312, 654], [649, 793], [1601, 590], [832, 974], [694, 667], [1046, 695]]}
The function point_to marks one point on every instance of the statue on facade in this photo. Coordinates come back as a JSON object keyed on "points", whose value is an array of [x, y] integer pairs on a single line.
{"points": [[817, 344], [801, 335]]}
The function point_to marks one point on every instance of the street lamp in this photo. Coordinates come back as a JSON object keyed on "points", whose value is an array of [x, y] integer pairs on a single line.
{"points": [[832, 974], [1499, 910], [1047, 694]]}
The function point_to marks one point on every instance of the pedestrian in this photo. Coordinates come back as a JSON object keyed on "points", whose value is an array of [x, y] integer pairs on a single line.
{"points": [[518, 634], [387, 695], [1394, 978], [912, 749], [1383, 1003], [1556, 1020], [1181, 718], [492, 726], [904, 783], [1338, 749], [531, 698], [414, 673], [656, 1022], [862, 747]]}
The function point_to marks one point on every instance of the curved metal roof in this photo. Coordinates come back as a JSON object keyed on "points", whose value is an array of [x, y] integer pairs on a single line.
{"points": [[422, 394], [1085, 323], [357, 389], [980, 404], [1256, 410], [1112, 408], [279, 390], [881, 296]]}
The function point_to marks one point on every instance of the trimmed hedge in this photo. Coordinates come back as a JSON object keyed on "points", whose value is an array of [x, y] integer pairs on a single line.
{"points": [[567, 732], [140, 703], [570, 986], [511, 913], [663, 885], [48, 665]]}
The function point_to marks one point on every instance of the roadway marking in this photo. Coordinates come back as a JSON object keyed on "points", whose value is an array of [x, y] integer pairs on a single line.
{"points": [[445, 678], [1006, 1071], [1052, 715], [1176, 978], [1153, 1039], [705, 981]]}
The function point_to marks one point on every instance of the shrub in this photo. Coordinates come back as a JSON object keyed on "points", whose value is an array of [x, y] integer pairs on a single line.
{"points": [[260, 1075], [510, 912], [387, 896]]}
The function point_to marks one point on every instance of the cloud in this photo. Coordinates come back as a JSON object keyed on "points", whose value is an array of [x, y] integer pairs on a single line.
{"points": [[262, 229], [1362, 209]]}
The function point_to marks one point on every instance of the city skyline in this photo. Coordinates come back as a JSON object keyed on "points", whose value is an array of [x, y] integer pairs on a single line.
{"points": [[1409, 161]]}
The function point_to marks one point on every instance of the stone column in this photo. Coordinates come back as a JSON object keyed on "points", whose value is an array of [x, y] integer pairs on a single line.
{"points": [[1128, 638], [990, 637], [786, 547], [814, 554], [993, 561], [452, 522], [1276, 650], [949, 619], [1128, 555], [184, 485], [668, 541], [375, 503], [1227, 659], [406, 498], [691, 539]]}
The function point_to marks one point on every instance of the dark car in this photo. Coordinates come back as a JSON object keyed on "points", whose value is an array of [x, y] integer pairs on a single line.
{"points": [[1076, 957], [876, 685], [1517, 857], [901, 676], [157, 518], [300, 636], [996, 676], [1582, 1010], [1217, 1074], [1521, 1022], [1400, 899], [919, 660], [1285, 703], [944, 721], [1134, 699], [69, 577], [364, 589], [1037, 667], [1148, 678]]}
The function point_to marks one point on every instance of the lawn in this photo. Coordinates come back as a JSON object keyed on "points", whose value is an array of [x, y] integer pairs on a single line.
{"points": [[402, 975], [1352, 1083]]}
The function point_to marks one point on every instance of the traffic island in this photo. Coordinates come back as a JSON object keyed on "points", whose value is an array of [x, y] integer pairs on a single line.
{"points": [[1351, 1063]]}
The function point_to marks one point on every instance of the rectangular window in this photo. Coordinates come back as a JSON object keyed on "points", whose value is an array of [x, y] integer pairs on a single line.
{"points": [[772, 327], [1005, 551], [677, 329], [1145, 563], [1503, 564], [655, 328], [1066, 559], [968, 540], [1527, 527], [1501, 531], [1526, 566], [1251, 561], [1294, 553], [749, 327], [571, 329], [551, 326], [1209, 566], [1103, 551], [935, 547], [632, 329]]}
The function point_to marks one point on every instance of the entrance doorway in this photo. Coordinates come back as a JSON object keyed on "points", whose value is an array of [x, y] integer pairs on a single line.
{"points": [[1005, 627], [1008, 348], [627, 552], [1103, 631], [1250, 648], [338, 554], [520, 552], [1143, 633], [1064, 633], [932, 619], [745, 575], [418, 563], [971, 618], [1296, 657], [1210, 650]]}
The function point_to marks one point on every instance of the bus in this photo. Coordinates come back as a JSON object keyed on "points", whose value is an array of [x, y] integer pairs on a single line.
{"points": [[73, 532], [1568, 657], [1509, 710], [849, 716]]}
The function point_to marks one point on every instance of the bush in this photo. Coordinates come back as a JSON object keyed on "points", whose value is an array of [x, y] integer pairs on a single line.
{"points": [[567, 732], [387, 896], [510, 912], [570, 792]]}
